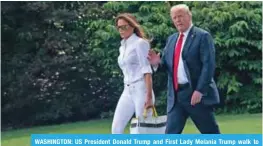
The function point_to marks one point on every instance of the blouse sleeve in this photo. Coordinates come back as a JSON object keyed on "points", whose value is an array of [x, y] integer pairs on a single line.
{"points": [[142, 52]]}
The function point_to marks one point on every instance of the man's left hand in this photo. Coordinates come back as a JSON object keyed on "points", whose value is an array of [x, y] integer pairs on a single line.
{"points": [[196, 97]]}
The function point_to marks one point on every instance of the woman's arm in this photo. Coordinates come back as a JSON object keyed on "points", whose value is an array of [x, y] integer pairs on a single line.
{"points": [[142, 53], [148, 82]]}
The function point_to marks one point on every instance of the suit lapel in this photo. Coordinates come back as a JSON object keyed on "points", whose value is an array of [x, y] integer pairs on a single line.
{"points": [[171, 49], [188, 42]]}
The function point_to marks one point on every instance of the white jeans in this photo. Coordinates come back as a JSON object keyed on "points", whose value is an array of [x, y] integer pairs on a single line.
{"points": [[132, 100]]}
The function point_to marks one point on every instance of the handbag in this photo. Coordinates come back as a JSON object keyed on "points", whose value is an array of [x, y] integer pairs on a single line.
{"points": [[153, 124]]}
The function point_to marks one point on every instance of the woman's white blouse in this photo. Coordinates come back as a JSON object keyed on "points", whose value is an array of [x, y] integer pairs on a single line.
{"points": [[133, 58]]}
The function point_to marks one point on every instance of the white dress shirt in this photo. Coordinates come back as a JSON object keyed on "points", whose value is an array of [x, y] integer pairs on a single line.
{"points": [[133, 58], [181, 75]]}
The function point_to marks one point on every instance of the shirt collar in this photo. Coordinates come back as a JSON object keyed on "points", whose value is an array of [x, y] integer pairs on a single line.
{"points": [[187, 31], [129, 40]]}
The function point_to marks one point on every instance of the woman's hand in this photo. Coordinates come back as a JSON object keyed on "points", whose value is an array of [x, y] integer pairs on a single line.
{"points": [[149, 102]]}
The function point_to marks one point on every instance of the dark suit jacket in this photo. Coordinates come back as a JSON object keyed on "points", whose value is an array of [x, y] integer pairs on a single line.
{"points": [[199, 62]]}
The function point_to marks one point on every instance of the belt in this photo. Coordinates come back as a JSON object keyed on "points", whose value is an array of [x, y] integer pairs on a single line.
{"points": [[183, 86], [128, 84]]}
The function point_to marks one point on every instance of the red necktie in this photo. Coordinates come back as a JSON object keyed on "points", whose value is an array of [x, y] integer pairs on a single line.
{"points": [[176, 59]]}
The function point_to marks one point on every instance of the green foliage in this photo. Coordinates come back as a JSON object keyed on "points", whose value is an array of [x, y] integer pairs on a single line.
{"points": [[59, 59], [236, 28], [49, 74]]}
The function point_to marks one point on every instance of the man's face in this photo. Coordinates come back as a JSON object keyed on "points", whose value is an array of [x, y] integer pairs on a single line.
{"points": [[181, 19]]}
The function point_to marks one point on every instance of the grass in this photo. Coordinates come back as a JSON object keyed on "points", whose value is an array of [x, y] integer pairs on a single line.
{"points": [[229, 124]]}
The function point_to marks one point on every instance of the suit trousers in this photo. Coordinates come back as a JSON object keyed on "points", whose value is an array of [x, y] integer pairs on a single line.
{"points": [[202, 115], [132, 101]]}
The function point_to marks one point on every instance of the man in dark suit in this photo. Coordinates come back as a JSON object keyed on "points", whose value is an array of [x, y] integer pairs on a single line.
{"points": [[189, 59]]}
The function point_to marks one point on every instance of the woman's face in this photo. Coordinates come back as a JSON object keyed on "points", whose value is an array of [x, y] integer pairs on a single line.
{"points": [[124, 28]]}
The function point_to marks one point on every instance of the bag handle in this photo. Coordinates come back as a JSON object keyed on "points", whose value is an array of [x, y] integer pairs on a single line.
{"points": [[154, 112]]}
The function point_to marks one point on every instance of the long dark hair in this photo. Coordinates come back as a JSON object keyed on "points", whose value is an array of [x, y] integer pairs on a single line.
{"points": [[132, 22]]}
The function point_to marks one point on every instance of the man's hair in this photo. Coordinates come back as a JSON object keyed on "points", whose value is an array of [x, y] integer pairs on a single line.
{"points": [[181, 6]]}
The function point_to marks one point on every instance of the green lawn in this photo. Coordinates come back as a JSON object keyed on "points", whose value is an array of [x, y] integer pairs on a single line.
{"points": [[229, 124]]}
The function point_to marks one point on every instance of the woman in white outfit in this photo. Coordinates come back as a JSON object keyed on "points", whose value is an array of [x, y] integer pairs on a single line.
{"points": [[137, 94]]}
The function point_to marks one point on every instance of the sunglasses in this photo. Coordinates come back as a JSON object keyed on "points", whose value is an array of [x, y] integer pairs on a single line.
{"points": [[123, 27]]}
